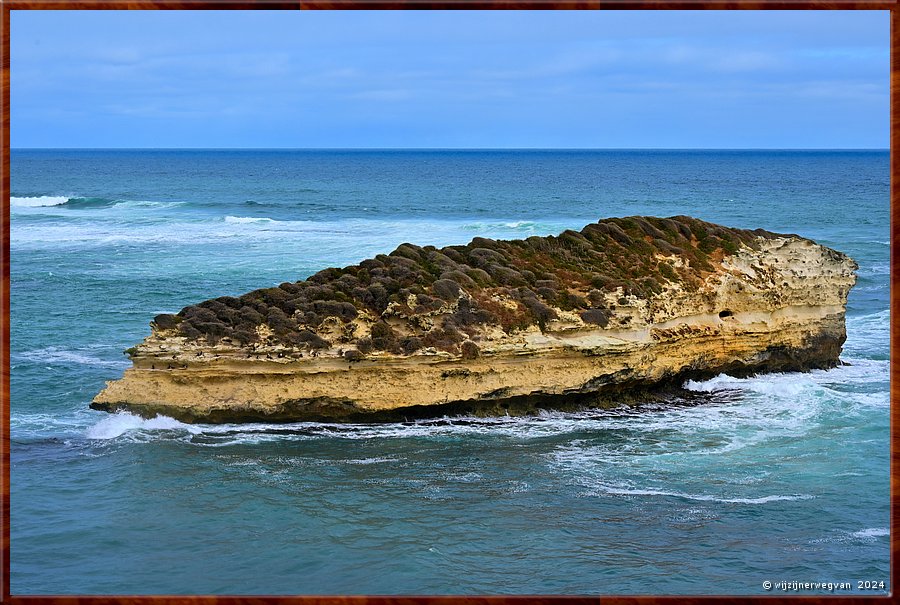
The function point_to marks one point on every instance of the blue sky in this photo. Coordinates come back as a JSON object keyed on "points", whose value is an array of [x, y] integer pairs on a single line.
{"points": [[611, 79]]}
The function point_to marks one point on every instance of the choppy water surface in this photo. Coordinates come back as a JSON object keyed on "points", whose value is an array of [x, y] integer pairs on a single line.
{"points": [[779, 478]]}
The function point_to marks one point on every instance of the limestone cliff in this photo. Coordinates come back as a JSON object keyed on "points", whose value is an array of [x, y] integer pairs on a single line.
{"points": [[497, 327]]}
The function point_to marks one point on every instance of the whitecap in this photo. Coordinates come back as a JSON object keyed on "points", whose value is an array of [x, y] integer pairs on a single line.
{"points": [[59, 356], [37, 202], [622, 491], [248, 219], [798, 397], [875, 269], [553, 423], [879, 320], [871, 532], [115, 233], [470, 477], [367, 461], [120, 423], [776, 384], [500, 228], [24, 425]]}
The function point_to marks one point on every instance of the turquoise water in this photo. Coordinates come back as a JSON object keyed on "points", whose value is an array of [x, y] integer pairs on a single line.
{"points": [[774, 478]]}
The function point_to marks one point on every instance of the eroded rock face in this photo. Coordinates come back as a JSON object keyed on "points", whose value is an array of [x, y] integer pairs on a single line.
{"points": [[499, 327]]}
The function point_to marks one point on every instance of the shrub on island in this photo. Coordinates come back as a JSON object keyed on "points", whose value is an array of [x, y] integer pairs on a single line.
{"points": [[509, 284]]}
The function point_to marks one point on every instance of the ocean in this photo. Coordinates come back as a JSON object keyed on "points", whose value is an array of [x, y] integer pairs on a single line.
{"points": [[778, 478]]}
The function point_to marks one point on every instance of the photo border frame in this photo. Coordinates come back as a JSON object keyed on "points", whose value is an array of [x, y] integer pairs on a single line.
{"points": [[6, 6]]}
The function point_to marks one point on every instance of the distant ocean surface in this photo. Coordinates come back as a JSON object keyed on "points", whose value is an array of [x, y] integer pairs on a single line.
{"points": [[775, 478]]}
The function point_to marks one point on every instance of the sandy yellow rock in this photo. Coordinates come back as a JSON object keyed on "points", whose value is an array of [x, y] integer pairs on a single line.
{"points": [[776, 306]]}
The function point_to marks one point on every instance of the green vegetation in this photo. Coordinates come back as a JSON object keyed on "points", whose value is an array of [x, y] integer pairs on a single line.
{"points": [[511, 284]]}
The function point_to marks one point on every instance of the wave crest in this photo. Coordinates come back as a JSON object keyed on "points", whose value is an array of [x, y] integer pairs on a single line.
{"points": [[621, 491], [248, 219], [37, 202], [59, 356], [120, 423]]}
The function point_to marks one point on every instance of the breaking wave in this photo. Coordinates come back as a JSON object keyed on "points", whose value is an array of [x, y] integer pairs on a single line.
{"points": [[116, 425], [626, 491], [57, 355], [872, 532], [248, 219], [37, 202], [83, 203]]}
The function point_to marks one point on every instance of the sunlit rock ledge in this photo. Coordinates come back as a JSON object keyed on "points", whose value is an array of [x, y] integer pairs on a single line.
{"points": [[589, 318]]}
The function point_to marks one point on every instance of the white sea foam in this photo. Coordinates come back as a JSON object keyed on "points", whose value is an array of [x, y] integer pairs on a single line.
{"points": [[503, 428], [740, 413], [778, 405], [120, 423], [92, 204], [517, 226], [758, 412], [241, 220], [791, 401], [470, 477], [875, 269], [869, 333], [867, 336], [58, 356], [648, 421], [872, 532], [367, 461], [735, 413], [114, 232], [150, 204], [778, 385], [31, 425], [881, 318], [36, 202], [338, 242], [620, 491]]}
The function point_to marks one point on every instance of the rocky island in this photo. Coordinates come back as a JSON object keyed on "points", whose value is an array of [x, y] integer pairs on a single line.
{"points": [[585, 318]]}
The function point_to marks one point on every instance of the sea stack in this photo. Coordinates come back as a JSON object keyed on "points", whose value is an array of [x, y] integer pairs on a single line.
{"points": [[586, 318]]}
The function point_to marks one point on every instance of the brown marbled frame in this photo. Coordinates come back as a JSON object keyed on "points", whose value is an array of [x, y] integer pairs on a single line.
{"points": [[7, 5]]}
